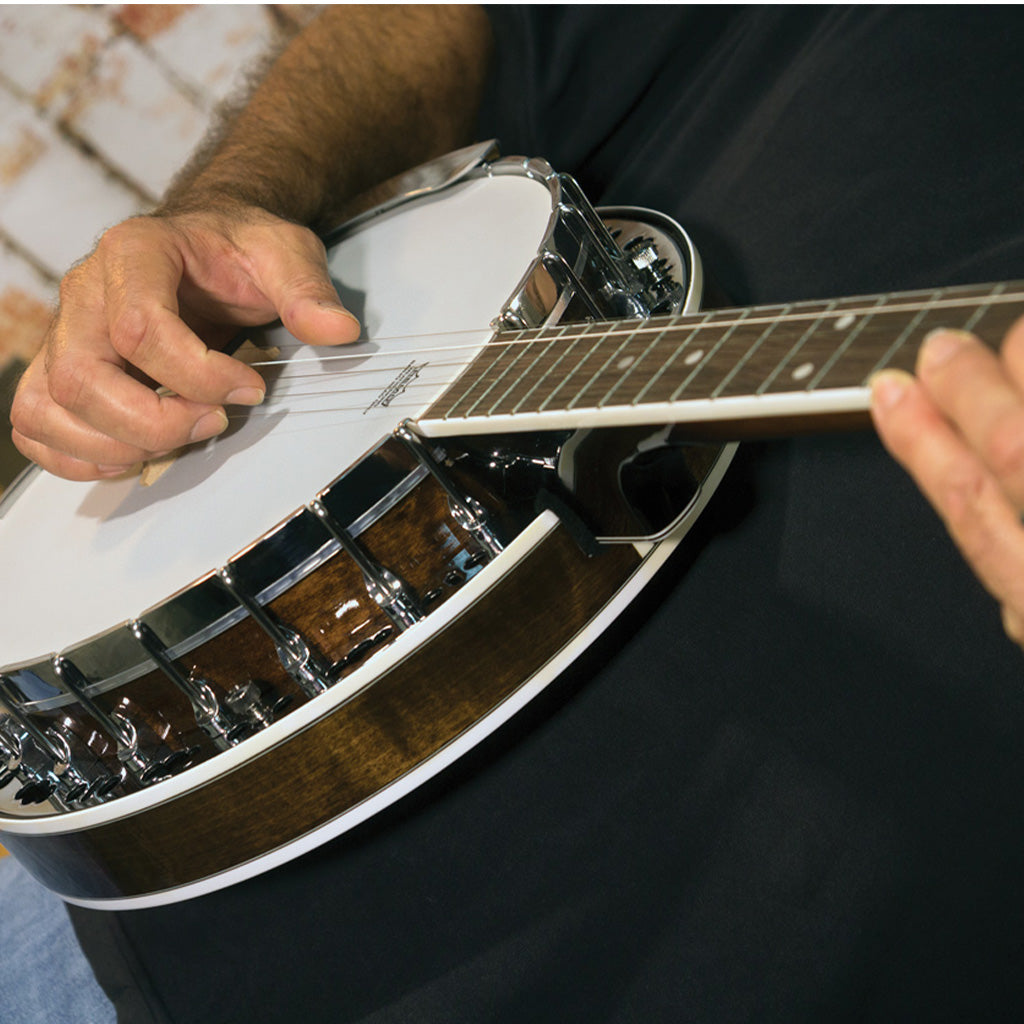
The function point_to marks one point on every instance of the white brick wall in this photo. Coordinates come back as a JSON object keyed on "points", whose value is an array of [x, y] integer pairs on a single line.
{"points": [[99, 106], [54, 199], [204, 46], [25, 301], [45, 51]]}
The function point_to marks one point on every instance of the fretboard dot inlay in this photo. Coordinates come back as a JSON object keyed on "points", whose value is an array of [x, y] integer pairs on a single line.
{"points": [[808, 361]]}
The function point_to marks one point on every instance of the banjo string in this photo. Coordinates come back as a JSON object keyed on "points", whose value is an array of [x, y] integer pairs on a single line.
{"points": [[511, 339]]}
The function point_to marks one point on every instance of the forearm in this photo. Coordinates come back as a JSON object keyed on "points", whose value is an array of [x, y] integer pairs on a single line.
{"points": [[361, 94]]}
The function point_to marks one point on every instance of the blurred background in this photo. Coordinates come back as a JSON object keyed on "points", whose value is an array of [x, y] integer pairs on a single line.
{"points": [[99, 106]]}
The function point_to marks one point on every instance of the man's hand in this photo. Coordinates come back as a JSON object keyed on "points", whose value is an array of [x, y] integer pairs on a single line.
{"points": [[958, 429], [150, 306]]}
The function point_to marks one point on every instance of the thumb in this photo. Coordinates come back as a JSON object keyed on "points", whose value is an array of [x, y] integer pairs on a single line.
{"points": [[292, 273]]}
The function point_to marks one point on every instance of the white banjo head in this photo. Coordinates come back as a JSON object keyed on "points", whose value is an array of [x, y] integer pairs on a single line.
{"points": [[79, 559]]}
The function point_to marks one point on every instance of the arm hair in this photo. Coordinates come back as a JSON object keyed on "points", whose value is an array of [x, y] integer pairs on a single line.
{"points": [[361, 94]]}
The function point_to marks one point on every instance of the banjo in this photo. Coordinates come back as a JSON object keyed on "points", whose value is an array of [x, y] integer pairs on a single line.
{"points": [[308, 617]]}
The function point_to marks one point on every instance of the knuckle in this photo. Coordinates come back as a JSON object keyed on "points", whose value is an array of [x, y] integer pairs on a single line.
{"points": [[159, 431], [64, 381], [154, 437], [304, 284], [296, 235], [24, 412], [19, 441], [965, 496], [302, 242], [131, 334], [72, 285], [114, 240], [1004, 449], [966, 503]]}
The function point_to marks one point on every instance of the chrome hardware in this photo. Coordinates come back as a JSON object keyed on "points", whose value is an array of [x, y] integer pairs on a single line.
{"points": [[115, 724], [204, 702], [41, 784], [50, 742], [387, 590], [596, 281], [10, 750], [641, 252], [466, 511], [254, 709], [662, 292], [75, 787], [12, 744], [310, 670], [433, 176], [246, 700], [593, 277]]}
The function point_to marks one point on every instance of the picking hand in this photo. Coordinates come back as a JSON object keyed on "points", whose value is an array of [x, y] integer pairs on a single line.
{"points": [[150, 306], [958, 429]]}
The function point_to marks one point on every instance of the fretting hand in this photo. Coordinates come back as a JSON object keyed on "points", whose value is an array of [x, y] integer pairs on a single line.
{"points": [[151, 306], [958, 429]]}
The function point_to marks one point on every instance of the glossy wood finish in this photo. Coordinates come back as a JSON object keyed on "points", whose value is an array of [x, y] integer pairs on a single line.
{"points": [[417, 539], [384, 731]]}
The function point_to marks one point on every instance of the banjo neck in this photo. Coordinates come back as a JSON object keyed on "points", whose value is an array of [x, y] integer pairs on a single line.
{"points": [[723, 374]]}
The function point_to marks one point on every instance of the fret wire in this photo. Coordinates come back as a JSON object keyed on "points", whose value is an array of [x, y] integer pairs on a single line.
{"points": [[693, 328], [494, 383], [839, 352], [747, 319], [982, 310], [749, 353], [638, 399], [690, 327], [622, 344], [791, 354], [502, 349], [525, 373], [906, 333], [561, 355], [745, 315], [700, 366], [589, 353], [544, 373]]}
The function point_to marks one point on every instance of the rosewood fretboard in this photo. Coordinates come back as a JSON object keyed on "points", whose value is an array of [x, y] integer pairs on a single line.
{"points": [[725, 373]]}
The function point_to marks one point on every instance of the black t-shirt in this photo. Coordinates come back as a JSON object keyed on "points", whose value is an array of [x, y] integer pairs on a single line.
{"points": [[790, 788]]}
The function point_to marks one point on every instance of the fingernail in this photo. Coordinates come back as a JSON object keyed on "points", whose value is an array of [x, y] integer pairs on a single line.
{"points": [[209, 425], [112, 470], [245, 396], [337, 307], [941, 345], [888, 388]]}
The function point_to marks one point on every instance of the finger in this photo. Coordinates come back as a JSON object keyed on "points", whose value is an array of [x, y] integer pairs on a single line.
{"points": [[980, 517], [55, 429], [85, 384], [142, 269], [41, 422], [61, 464], [291, 270], [975, 389], [104, 397], [1011, 353]]}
